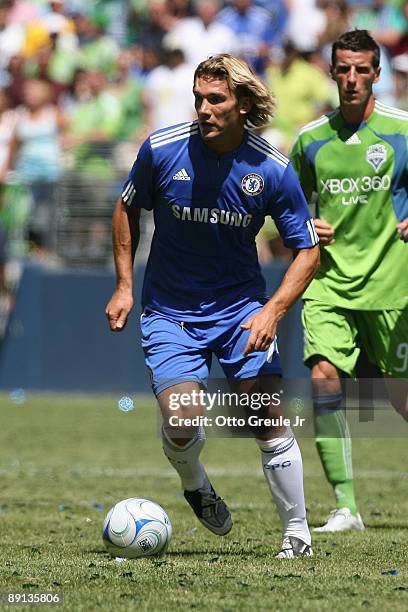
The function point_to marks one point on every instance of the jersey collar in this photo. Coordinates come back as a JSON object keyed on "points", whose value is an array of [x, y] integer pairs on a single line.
{"points": [[231, 154]]}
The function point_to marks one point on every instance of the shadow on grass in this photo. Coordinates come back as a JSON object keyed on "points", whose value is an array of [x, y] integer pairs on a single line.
{"points": [[368, 526], [199, 552]]}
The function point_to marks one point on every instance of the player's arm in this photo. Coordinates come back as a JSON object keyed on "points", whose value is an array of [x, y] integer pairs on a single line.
{"points": [[137, 193], [263, 325], [125, 237], [291, 214]]}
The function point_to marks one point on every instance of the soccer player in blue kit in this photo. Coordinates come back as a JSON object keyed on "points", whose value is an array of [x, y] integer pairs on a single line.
{"points": [[210, 184]]}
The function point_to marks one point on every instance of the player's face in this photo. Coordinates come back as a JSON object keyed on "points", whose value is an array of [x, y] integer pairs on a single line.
{"points": [[221, 115], [355, 76]]}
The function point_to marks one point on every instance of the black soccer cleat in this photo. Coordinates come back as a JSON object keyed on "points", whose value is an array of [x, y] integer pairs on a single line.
{"points": [[210, 510]]}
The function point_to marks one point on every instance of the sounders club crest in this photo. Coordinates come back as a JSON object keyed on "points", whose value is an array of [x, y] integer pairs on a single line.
{"points": [[376, 156], [252, 184]]}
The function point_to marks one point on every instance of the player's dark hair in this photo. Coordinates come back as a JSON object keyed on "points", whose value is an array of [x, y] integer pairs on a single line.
{"points": [[357, 40], [242, 82]]}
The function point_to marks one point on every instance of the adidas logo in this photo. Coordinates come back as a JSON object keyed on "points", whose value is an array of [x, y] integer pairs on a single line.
{"points": [[181, 175], [354, 139]]}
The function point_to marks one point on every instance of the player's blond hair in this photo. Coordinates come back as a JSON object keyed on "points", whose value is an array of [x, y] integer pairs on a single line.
{"points": [[242, 82]]}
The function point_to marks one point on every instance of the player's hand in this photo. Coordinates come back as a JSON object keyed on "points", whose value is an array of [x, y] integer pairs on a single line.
{"points": [[325, 232], [402, 229], [118, 309], [263, 330]]}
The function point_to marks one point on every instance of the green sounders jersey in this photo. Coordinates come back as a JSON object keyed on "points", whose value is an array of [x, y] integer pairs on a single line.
{"points": [[359, 174]]}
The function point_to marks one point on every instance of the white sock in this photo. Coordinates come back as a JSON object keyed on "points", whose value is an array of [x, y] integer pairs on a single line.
{"points": [[185, 460], [283, 469]]}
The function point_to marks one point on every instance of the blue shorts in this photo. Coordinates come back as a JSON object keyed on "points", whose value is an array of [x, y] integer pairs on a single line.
{"points": [[177, 352]]}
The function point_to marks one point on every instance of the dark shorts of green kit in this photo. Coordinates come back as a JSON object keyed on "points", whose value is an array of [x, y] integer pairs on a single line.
{"points": [[338, 333]]}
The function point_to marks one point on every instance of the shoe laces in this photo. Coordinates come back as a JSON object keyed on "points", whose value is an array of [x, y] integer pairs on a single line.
{"points": [[337, 512], [208, 496]]}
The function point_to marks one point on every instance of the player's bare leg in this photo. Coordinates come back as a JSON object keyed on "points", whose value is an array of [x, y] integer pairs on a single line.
{"points": [[177, 409], [333, 443], [282, 467], [182, 445]]}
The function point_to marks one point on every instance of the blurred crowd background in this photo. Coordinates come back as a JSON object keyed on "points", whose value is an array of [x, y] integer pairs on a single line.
{"points": [[82, 83]]}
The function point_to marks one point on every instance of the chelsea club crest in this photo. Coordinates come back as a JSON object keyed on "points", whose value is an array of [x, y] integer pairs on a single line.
{"points": [[252, 184]]}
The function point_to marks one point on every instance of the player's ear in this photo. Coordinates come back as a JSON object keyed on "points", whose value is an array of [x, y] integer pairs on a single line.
{"points": [[332, 71], [377, 74], [245, 105]]}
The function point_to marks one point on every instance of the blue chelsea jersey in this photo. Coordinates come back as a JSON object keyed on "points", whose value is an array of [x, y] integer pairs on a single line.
{"points": [[208, 209]]}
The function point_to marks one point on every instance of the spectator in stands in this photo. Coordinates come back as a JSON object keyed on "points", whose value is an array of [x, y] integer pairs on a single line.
{"points": [[302, 90], [36, 156], [22, 12], [337, 21], [16, 78], [400, 68], [11, 40], [253, 28], [56, 20], [402, 46], [97, 50], [7, 130], [279, 13], [180, 9], [168, 92], [306, 23], [385, 22], [151, 58], [43, 67], [201, 36], [128, 90], [94, 121], [159, 21], [63, 50]]}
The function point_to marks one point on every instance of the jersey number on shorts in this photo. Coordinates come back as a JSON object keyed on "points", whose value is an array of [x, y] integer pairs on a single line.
{"points": [[402, 353]]}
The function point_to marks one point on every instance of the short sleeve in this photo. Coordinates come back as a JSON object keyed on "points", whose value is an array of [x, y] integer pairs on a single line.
{"points": [[291, 213], [303, 169], [138, 189]]}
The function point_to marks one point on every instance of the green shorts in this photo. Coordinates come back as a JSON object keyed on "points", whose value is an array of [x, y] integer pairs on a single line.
{"points": [[337, 334]]}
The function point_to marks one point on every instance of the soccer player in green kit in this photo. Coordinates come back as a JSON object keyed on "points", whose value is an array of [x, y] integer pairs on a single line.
{"points": [[355, 161]]}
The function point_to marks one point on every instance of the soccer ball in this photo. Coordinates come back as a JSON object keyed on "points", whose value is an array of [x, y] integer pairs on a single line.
{"points": [[135, 528]]}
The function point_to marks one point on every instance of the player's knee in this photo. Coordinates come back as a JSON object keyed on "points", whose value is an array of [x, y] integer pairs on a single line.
{"points": [[325, 377], [181, 436], [323, 369]]}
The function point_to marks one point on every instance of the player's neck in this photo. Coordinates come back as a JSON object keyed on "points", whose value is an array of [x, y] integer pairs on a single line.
{"points": [[355, 115], [225, 143]]}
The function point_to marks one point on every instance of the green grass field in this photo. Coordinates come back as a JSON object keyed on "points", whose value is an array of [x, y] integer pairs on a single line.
{"points": [[64, 461]]}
